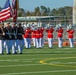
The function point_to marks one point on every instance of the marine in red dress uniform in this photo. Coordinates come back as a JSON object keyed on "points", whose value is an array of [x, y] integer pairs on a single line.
{"points": [[41, 37], [60, 35], [27, 37], [50, 31], [70, 32]]}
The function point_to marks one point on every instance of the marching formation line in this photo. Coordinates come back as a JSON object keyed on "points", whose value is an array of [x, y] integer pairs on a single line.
{"points": [[38, 72]]}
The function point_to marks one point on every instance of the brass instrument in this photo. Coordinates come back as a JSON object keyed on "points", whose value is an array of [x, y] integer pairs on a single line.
{"points": [[47, 26], [58, 26], [69, 27]]}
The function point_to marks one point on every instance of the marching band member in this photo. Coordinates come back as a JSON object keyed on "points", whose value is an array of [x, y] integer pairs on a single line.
{"points": [[27, 37], [20, 41], [2, 34], [70, 32], [50, 31], [60, 35]]}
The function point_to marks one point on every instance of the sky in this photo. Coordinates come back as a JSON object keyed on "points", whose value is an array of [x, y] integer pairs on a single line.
{"points": [[32, 4]]}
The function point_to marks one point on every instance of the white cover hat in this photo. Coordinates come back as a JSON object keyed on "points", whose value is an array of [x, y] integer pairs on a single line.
{"points": [[38, 24], [28, 25], [60, 25], [48, 24]]}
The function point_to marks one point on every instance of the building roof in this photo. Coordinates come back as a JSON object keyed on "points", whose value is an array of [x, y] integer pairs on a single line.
{"points": [[37, 18]]}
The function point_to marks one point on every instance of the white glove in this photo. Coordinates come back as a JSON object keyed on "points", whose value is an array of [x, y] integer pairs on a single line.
{"points": [[3, 33]]}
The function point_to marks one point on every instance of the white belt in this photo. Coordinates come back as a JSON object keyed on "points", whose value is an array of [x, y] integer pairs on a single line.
{"points": [[70, 34], [60, 33]]}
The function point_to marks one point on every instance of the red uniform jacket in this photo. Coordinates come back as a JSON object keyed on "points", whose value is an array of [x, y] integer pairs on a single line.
{"points": [[70, 33], [38, 33], [41, 32], [33, 34], [27, 33], [50, 32], [60, 32]]}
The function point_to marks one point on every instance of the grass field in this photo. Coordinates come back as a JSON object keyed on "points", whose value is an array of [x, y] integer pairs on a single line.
{"points": [[45, 61]]}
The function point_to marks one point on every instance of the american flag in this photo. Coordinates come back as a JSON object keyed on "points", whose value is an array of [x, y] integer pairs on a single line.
{"points": [[14, 10], [6, 11]]}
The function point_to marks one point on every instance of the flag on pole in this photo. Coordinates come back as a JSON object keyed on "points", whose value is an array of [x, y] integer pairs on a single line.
{"points": [[17, 4], [14, 10], [6, 12]]}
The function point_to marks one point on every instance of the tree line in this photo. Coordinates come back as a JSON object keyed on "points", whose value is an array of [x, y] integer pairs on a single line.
{"points": [[46, 11]]}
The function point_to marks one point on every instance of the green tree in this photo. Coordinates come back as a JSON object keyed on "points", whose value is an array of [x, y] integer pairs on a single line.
{"points": [[68, 10], [48, 11], [54, 12], [28, 13], [19, 14], [61, 11], [37, 11], [43, 10]]}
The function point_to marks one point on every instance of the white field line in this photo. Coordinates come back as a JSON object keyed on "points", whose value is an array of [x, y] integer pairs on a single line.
{"points": [[39, 72], [74, 63], [13, 60], [21, 65], [43, 53], [61, 48], [37, 60], [31, 59], [26, 54], [26, 61]]}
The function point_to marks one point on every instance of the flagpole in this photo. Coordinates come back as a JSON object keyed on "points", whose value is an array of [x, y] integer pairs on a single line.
{"points": [[17, 3], [15, 7]]}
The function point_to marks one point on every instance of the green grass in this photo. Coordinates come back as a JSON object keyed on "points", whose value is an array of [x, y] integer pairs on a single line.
{"points": [[45, 61]]}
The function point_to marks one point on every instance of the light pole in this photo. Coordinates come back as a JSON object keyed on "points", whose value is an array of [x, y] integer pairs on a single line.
{"points": [[74, 12]]}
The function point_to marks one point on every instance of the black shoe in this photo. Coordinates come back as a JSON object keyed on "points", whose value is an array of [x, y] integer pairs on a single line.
{"points": [[21, 53], [8, 53], [50, 47], [16, 53], [1, 54]]}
